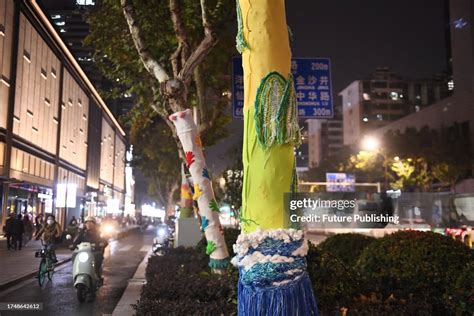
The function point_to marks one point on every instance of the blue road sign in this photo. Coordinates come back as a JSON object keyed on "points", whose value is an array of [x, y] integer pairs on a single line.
{"points": [[313, 87]]}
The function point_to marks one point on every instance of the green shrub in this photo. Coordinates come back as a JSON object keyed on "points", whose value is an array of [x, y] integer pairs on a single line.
{"points": [[180, 283], [346, 247], [230, 236], [412, 265], [461, 299], [334, 282]]}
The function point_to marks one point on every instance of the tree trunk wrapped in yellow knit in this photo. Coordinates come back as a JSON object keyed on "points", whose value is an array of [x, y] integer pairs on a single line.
{"points": [[270, 255]]}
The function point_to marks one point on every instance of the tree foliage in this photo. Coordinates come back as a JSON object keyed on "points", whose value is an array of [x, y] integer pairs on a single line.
{"points": [[234, 178], [414, 159], [156, 147]]}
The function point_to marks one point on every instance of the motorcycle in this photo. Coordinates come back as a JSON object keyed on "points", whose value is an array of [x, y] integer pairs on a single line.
{"points": [[86, 280], [164, 239]]}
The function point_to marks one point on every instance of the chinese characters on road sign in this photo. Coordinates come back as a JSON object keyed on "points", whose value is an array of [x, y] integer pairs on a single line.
{"points": [[312, 79]]}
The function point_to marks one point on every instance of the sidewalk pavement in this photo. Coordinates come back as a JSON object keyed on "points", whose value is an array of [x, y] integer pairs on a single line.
{"points": [[133, 291], [19, 265]]}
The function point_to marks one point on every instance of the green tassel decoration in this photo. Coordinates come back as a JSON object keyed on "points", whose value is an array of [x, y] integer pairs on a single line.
{"points": [[276, 120], [241, 43], [219, 264]]}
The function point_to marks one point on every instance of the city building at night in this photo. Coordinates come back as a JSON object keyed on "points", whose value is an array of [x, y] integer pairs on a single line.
{"points": [[324, 138], [456, 111], [384, 97], [62, 150], [69, 19]]}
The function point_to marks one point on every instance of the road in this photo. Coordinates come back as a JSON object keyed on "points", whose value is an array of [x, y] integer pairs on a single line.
{"points": [[59, 297]]}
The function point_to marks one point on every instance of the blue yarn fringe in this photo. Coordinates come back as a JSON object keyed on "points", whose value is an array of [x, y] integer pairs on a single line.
{"points": [[294, 298]]}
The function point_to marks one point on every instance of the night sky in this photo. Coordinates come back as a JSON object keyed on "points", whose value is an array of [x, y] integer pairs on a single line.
{"points": [[358, 35], [406, 35]]}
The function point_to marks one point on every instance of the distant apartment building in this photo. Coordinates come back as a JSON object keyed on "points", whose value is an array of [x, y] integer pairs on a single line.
{"points": [[384, 97], [325, 138], [455, 112], [61, 149]]}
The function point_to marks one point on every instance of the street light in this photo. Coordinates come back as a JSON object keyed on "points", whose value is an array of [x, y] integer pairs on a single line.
{"points": [[370, 143]]}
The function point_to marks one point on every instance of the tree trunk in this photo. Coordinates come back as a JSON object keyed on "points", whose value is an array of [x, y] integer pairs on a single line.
{"points": [[270, 256], [170, 202], [203, 192]]}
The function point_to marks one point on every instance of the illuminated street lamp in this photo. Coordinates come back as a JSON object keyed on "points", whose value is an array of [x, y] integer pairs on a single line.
{"points": [[370, 143]]}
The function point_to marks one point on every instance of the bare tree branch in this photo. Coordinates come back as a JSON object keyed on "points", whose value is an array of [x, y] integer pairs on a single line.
{"points": [[143, 51], [175, 60], [203, 49], [201, 95], [180, 30]]}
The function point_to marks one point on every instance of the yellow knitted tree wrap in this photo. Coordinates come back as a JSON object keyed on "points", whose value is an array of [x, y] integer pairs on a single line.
{"points": [[267, 171]]}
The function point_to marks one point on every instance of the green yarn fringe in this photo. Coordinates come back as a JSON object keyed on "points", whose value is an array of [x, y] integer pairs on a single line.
{"points": [[276, 120], [219, 263], [241, 43], [294, 181]]}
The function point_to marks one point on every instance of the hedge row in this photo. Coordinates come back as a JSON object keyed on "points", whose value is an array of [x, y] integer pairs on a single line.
{"points": [[406, 273]]}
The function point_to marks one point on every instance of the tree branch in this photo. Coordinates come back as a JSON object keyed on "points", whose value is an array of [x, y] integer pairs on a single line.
{"points": [[203, 49], [179, 30], [146, 57], [201, 95], [175, 60]]}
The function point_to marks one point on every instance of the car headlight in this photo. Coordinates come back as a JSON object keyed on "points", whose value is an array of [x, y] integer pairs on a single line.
{"points": [[83, 257], [161, 232]]}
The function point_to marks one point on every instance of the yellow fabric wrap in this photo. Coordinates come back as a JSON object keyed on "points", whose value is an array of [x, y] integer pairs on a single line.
{"points": [[267, 172]]}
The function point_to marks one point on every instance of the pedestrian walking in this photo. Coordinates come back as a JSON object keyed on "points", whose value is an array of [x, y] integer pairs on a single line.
{"points": [[28, 225], [38, 222], [9, 230], [18, 231]]}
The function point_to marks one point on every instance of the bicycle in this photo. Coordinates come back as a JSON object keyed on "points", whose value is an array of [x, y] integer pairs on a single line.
{"points": [[46, 267]]}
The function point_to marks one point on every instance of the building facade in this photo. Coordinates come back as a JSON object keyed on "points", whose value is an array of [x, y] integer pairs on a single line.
{"points": [[325, 138], [382, 98], [455, 111], [61, 149], [68, 17]]}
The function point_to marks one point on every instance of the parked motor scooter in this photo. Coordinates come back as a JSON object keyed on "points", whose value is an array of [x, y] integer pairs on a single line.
{"points": [[86, 280]]}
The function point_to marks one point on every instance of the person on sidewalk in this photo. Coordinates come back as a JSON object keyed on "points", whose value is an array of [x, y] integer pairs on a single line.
{"points": [[39, 221], [28, 224], [91, 234], [51, 233], [9, 230], [18, 231]]}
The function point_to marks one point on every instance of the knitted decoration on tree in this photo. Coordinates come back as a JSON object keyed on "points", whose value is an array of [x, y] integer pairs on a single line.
{"points": [[273, 278], [270, 256], [189, 137]]}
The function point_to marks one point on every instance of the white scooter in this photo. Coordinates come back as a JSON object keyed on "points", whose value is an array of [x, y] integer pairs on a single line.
{"points": [[86, 280]]}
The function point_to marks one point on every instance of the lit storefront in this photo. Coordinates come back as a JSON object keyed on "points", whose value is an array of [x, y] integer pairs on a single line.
{"points": [[58, 141]]}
